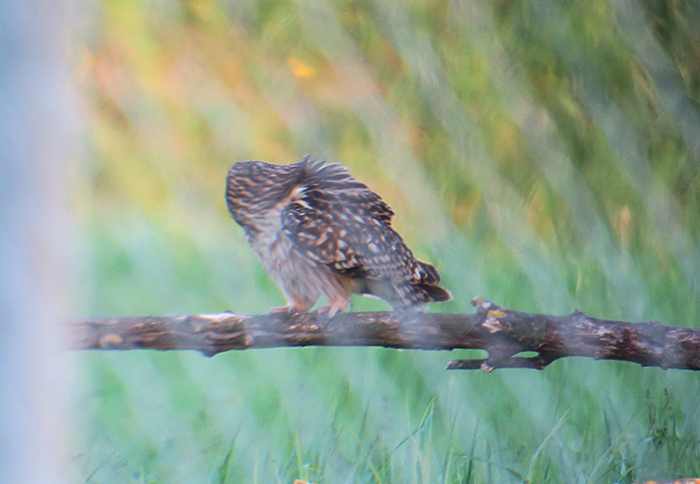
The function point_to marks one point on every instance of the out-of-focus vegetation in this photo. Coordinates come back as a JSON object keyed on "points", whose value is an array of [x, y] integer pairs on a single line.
{"points": [[542, 154]]}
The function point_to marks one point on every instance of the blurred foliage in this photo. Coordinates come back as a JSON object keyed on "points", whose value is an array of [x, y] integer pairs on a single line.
{"points": [[542, 154]]}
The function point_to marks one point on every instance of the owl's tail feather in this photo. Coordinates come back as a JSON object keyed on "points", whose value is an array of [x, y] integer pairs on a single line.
{"points": [[427, 275], [413, 296], [435, 293]]}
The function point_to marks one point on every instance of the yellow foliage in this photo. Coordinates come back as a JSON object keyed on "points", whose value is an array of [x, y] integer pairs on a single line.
{"points": [[301, 69]]}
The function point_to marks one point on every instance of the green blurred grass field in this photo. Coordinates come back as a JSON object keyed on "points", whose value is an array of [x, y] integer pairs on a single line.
{"points": [[542, 154]]}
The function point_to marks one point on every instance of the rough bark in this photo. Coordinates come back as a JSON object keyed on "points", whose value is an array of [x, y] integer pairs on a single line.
{"points": [[502, 332]]}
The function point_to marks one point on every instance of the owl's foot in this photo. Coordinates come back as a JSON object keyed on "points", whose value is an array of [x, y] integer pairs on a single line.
{"points": [[281, 310], [293, 307], [332, 309]]}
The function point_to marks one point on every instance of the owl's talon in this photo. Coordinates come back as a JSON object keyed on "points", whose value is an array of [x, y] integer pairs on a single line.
{"points": [[324, 316], [331, 310]]}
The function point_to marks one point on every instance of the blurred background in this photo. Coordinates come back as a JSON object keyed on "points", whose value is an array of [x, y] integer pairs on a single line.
{"points": [[543, 154]]}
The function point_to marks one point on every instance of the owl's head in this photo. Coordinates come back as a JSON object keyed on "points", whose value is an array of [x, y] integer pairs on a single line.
{"points": [[254, 188]]}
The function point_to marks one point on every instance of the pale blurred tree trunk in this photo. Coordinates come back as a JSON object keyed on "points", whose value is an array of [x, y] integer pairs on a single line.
{"points": [[36, 127]]}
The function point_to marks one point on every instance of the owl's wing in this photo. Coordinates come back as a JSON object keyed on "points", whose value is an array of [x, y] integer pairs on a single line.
{"points": [[316, 234], [338, 221]]}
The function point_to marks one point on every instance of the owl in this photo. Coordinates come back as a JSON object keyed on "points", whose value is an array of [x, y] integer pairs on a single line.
{"points": [[321, 233]]}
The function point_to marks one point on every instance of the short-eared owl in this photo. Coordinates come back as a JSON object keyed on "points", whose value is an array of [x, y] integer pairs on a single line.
{"points": [[319, 232]]}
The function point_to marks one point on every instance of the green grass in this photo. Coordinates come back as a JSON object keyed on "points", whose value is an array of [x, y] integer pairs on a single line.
{"points": [[371, 415], [542, 155]]}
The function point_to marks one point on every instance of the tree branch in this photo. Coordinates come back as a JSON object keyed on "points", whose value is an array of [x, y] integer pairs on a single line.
{"points": [[501, 332]]}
